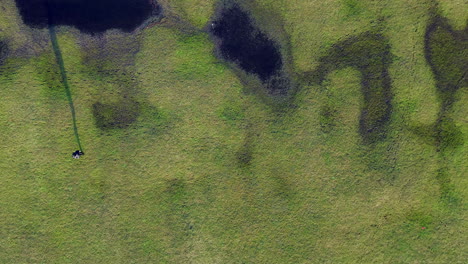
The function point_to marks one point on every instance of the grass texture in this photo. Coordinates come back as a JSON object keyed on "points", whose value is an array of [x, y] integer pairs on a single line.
{"points": [[187, 161]]}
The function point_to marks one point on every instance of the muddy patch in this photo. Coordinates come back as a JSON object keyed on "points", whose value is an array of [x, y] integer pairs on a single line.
{"points": [[91, 16], [240, 41], [370, 54], [446, 52]]}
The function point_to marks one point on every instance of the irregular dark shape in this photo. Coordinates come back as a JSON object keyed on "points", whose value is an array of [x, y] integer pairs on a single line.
{"points": [[446, 52], [244, 156], [116, 115], [244, 44], [370, 54], [3, 51], [327, 119], [77, 154], [63, 75], [91, 16]]}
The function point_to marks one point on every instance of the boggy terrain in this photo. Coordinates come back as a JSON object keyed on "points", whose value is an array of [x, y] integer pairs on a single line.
{"points": [[370, 54], [446, 52], [90, 16], [240, 41]]}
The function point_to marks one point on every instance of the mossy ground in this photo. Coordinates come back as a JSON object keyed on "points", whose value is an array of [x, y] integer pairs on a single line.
{"points": [[209, 173]]}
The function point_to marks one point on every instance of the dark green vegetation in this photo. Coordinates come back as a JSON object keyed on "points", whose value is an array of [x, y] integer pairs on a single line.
{"points": [[370, 54], [244, 44], [446, 52], [88, 15]]}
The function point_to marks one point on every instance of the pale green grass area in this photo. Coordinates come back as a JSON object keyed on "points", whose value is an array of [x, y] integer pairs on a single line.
{"points": [[197, 12], [171, 189]]}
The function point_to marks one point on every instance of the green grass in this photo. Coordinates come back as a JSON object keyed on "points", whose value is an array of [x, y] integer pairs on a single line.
{"points": [[209, 173]]}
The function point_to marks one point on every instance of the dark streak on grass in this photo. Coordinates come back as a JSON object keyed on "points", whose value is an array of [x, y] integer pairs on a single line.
{"points": [[90, 16], [244, 44], [244, 155], [370, 54], [446, 52], [3, 51]]}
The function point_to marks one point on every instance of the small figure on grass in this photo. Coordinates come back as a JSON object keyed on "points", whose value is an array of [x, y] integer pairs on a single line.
{"points": [[77, 154]]}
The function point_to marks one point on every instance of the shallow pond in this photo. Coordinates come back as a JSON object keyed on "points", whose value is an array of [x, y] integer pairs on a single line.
{"points": [[91, 16], [244, 44]]}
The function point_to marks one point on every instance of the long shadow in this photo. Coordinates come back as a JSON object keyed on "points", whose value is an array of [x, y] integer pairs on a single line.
{"points": [[63, 74]]}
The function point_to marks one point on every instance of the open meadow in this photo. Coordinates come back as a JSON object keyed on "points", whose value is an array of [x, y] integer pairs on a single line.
{"points": [[266, 131]]}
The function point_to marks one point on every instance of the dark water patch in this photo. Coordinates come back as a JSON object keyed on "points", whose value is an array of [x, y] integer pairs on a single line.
{"points": [[91, 16], [241, 42], [446, 52], [370, 54], [116, 115]]}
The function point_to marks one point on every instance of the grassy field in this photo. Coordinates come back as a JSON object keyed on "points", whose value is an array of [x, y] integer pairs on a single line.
{"points": [[200, 169]]}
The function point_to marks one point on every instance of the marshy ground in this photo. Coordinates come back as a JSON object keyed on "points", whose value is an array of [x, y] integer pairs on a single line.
{"points": [[192, 157], [86, 15]]}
